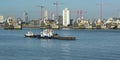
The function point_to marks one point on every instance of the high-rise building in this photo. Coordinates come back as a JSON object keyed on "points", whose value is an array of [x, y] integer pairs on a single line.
{"points": [[66, 17], [25, 17]]}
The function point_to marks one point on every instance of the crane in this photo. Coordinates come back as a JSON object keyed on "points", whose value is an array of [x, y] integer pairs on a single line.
{"points": [[57, 3], [51, 15], [41, 9], [80, 13], [100, 9]]}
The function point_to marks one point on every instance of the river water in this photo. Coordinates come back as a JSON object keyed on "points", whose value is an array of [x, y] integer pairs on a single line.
{"points": [[89, 45]]}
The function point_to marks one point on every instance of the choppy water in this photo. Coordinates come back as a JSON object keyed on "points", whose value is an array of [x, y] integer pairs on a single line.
{"points": [[89, 45]]}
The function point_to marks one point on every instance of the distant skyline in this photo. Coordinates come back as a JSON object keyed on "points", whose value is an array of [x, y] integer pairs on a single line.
{"points": [[17, 7]]}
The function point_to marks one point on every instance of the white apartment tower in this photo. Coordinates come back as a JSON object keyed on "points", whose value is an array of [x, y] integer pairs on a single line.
{"points": [[66, 17]]}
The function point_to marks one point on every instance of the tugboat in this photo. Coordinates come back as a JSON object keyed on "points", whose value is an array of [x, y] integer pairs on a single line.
{"points": [[49, 34], [46, 34]]}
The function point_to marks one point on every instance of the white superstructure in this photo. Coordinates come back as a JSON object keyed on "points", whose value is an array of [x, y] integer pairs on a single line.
{"points": [[47, 33], [66, 17]]}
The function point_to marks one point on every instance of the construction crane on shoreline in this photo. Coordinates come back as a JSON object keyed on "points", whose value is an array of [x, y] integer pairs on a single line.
{"points": [[101, 9], [100, 4], [81, 13], [78, 13], [41, 11], [56, 4], [51, 14]]}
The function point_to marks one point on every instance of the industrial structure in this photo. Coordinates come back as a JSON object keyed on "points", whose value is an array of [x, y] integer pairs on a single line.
{"points": [[11, 23], [2, 20]]}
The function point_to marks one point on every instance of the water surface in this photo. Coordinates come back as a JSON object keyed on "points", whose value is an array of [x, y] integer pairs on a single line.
{"points": [[89, 45]]}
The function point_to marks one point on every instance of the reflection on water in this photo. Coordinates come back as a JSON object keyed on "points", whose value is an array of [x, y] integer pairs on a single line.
{"points": [[65, 48]]}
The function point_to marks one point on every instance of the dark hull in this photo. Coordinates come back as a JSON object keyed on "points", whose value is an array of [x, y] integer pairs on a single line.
{"points": [[32, 36], [44, 37]]}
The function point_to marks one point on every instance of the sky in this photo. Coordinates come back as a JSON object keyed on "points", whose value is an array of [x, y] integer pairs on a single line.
{"points": [[110, 8]]}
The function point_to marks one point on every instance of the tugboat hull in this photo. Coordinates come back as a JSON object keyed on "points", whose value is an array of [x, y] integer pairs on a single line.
{"points": [[45, 37], [31, 36]]}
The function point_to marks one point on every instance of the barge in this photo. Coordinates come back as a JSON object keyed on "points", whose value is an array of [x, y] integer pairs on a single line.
{"points": [[64, 38]]}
